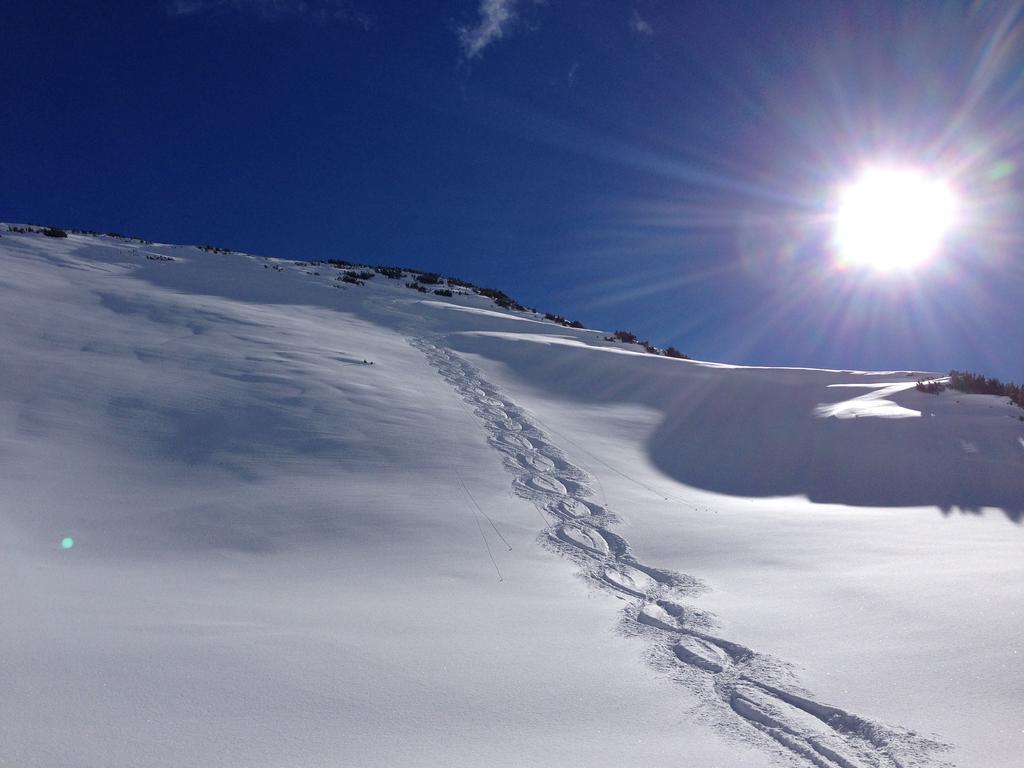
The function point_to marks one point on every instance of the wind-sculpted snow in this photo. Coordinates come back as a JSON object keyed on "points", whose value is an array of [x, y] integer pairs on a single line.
{"points": [[273, 551], [751, 694], [836, 437]]}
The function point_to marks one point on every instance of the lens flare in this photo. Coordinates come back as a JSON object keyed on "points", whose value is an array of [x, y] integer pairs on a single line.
{"points": [[67, 542], [893, 219]]}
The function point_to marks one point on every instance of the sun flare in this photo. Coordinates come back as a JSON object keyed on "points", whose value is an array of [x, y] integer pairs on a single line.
{"points": [[893, 219]]}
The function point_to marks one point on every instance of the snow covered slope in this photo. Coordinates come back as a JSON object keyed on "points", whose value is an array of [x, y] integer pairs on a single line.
{"points": [[505, 542]]}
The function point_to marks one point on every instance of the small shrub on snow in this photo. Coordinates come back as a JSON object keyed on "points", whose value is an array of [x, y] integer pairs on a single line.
{"points": [[562, 321], [976, 384], [501, 298]]}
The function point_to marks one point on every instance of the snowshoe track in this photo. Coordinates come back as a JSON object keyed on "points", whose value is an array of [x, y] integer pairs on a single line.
{"points": [[572, 508], [742, 687], [584, 537], [700, 653], [548, 485], [538, 462], [654, 615], [628, 579]]}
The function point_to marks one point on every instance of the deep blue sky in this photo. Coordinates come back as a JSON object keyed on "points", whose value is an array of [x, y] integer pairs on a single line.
{"points": [[663, 167]]}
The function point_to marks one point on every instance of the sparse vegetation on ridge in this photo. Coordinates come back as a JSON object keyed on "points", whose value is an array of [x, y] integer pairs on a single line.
{"points": [[975, 384], [501, 298], [562, 321], [930, 387], [357, 274], [62, 232], [627, 337]]}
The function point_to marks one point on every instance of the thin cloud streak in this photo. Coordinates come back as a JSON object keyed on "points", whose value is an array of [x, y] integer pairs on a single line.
{"points": [[640, 25], [272, 10], [573, 71], [186, 7], [496, 16]]}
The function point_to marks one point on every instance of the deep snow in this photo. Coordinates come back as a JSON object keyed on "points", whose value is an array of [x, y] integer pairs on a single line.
{"points": [[455, 556]]}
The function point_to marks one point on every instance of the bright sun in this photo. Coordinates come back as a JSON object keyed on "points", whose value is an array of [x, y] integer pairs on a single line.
{"points": [[893, 219]]}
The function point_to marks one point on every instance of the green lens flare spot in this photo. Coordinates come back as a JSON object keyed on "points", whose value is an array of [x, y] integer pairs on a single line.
{"points": [[1001, 170], [67, 542]]}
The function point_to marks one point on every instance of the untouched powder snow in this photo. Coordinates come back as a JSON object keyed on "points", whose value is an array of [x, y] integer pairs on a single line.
{"points": [[230, 541]]}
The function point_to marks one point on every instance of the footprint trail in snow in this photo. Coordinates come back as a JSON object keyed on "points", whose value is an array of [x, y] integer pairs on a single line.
{"points": [[747, 693]]}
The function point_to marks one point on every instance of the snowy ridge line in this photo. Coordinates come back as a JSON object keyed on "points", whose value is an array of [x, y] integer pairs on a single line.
{"points": [[744, 691]]}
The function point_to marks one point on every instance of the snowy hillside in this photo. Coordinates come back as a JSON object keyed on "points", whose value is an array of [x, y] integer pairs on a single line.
{"points": [[254, 515]]}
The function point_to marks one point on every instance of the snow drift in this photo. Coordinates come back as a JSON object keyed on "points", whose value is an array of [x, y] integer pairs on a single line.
{"points": [[505, 542]]}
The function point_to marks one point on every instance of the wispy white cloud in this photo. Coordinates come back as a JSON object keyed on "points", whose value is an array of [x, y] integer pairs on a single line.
{"points": [[496, 16], [185, 7], [271, 10], [640, 25]]}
